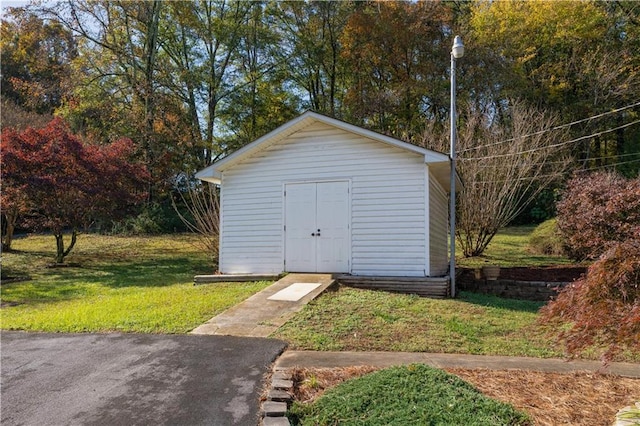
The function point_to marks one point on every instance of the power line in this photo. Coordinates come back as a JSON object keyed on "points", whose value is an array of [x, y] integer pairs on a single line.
{"points": [[605, 157], [604, 166], [553, 145], [562, 126]]}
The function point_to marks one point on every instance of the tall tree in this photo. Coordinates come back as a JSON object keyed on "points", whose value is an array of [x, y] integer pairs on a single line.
{"points": [[398, 57], [577, 59], [259, 101], [210, 36], [312, 49], [36, 63], [119, 43], [162, 71]]}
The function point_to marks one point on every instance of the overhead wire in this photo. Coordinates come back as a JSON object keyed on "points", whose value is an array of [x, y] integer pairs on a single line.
{"points": [[604, 157], [602, 166], [562, 126], [581, 138]]}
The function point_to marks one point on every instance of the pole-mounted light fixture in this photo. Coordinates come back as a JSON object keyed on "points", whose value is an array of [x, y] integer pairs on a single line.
{"points": [[457, 52], [458, 48]]}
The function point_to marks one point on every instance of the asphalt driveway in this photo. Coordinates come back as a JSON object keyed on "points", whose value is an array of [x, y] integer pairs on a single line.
{"points": [[132, 379]]}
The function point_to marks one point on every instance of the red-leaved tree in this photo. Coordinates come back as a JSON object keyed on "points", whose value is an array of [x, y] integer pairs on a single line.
{"points": [[599, 218], [596, 211], [13, 200], [603, 308], [57, 183]]}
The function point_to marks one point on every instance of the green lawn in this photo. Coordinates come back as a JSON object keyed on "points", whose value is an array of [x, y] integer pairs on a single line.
{"points": [[364, 320], [509, 249], [127, 284], [411, 395]]}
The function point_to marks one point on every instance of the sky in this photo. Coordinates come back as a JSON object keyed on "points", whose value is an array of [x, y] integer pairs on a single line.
{"points": [[11, 3]]}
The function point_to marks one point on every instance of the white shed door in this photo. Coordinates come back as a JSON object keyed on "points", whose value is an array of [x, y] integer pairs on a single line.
{"points": [[317, 227]]}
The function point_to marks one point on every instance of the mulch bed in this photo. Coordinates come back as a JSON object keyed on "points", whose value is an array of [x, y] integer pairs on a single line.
{"points": [[557, 399], [549, 398]]}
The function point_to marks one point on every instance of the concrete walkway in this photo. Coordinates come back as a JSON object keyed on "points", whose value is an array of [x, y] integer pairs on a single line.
{"points": [[259, 316], [321, 359]]}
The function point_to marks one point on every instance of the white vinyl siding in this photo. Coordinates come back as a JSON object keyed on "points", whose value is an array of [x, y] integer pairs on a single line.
{"points": [[388, 206], [438, 229]]}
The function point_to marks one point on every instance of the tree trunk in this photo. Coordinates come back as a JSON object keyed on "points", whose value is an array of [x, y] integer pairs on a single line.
{"points": [[61, 253], [9, 226]]}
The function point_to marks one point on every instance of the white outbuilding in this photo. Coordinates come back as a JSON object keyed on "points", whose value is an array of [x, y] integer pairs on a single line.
{"points": [[321, 195]]}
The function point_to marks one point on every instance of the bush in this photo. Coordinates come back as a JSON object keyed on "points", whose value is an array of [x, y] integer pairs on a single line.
{"points": [[148, 222], [603, 309], [546, 239], [415, 394], [596, 211]]}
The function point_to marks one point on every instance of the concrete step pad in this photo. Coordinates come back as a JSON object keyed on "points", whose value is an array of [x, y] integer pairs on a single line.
{"points": [[260, 315]]}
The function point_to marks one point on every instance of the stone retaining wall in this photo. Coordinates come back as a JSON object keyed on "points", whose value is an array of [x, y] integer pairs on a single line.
{"points": [[511, 289]]}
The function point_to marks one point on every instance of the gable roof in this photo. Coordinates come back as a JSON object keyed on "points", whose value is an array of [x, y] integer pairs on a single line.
{"points": [[213, 173]]}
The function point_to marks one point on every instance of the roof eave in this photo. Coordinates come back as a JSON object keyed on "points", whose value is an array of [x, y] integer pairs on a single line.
{"points": [[209, 174]]}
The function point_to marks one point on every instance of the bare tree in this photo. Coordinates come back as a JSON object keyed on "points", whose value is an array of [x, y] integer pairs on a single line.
{"points": [[203, 218], [504, 164]]}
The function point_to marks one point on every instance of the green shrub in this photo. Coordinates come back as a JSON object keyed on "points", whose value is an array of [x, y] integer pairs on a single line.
{"points": [[148, 222], [154, 219], [410, 395], [546, 239]]}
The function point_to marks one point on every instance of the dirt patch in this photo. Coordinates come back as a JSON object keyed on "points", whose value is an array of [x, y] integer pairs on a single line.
{"points": [[549, 398], [9, 304], [63, 265], [310, 383]]}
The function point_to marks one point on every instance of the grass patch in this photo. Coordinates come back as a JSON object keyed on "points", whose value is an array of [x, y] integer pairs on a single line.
{"points": [[364, 320], [546, 239], [509, 249], [126, 284], [414, 394]]}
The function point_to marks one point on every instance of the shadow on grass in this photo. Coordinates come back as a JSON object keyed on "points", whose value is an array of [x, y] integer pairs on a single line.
{"points": [[105, 263], [487, 300], [149, 273], [56, 285]]}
